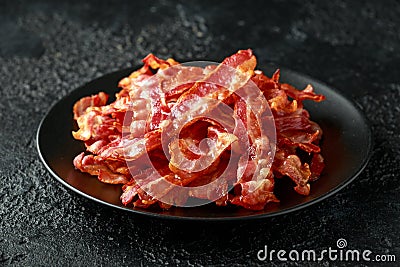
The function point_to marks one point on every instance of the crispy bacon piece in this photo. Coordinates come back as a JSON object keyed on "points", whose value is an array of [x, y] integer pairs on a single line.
{"points": [[93, 125], [300, 173], [128, 148], [89, 101], [254, 195], [316, 167], [307, 93], [106, 173], [124, 139]]}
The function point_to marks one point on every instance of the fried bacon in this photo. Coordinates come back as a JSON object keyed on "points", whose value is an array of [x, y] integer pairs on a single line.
{"points": [[124, 139], [89, 101]]}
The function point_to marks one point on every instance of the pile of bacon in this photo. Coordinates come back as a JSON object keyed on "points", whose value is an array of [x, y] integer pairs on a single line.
{"points": [[119, 135]]}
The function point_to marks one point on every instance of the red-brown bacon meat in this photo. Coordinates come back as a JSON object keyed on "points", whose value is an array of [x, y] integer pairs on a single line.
{"points": [[119, 135]]}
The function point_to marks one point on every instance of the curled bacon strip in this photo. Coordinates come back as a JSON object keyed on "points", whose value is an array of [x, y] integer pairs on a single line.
{"points": [[121, 135], [89, 101]]}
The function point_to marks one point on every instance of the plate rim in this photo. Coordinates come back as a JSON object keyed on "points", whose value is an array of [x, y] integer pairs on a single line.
{"points": [[143, 212]]}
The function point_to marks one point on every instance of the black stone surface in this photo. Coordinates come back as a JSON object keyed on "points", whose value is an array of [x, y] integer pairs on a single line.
{"points": [[49, 48]]}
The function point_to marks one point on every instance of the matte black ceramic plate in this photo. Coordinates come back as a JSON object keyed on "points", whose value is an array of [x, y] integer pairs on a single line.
{"points": [[346, 148]]}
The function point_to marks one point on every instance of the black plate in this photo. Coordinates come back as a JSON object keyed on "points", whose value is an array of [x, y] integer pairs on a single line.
{"points": [[346, 148]]}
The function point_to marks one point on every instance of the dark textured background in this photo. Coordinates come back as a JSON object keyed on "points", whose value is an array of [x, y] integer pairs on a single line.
{"points": [[48, 48]]}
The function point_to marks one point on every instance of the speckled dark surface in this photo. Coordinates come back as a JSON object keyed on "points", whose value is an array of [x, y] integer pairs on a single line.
{"points": [[47, 49]]}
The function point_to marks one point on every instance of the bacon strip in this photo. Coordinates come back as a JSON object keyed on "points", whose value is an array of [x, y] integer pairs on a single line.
{"points": [[212, 150], [89, 101], [129, 149], [99, 168]]}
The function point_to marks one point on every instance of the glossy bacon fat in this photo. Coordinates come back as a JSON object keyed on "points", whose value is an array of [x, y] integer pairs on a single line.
{"points": [[175, 133]]}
